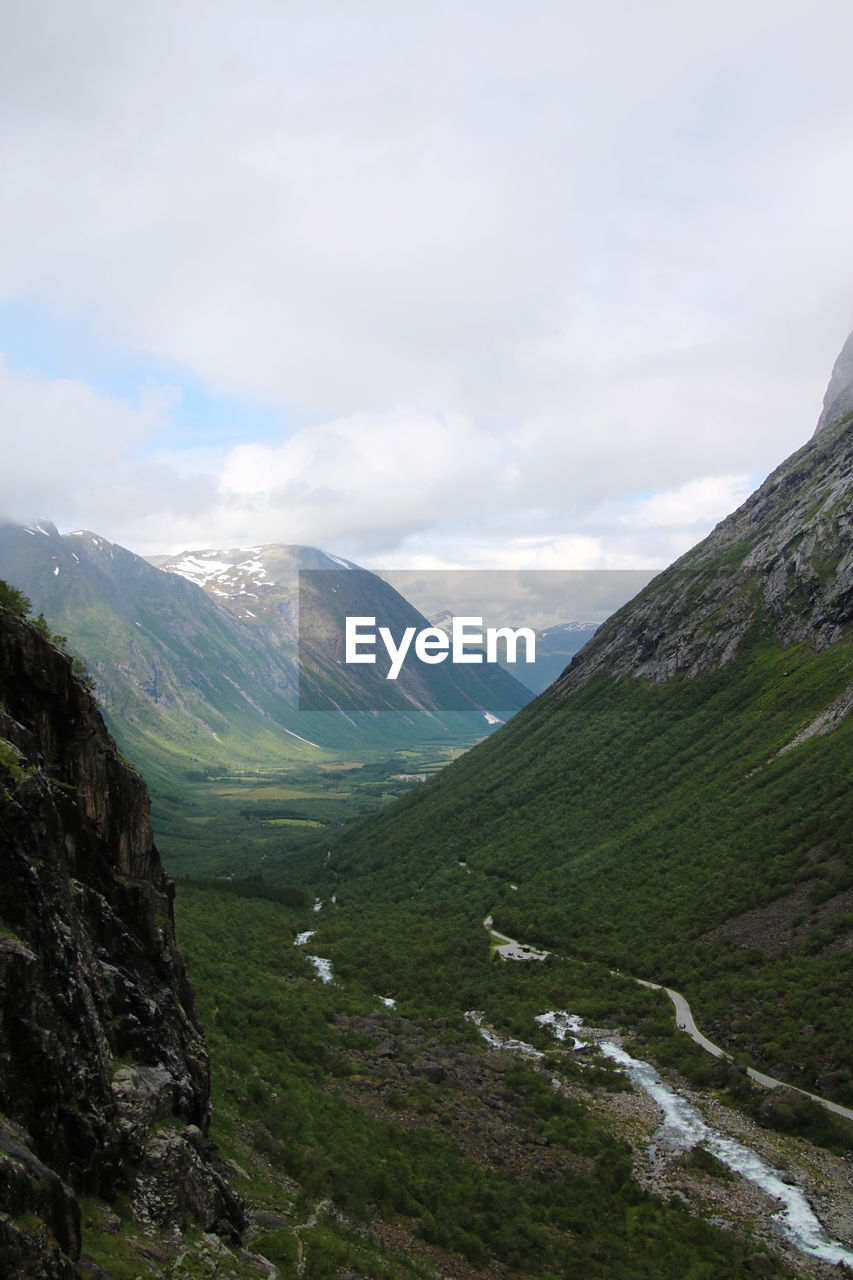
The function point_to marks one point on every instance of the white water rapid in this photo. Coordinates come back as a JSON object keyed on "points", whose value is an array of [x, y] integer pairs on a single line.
{"points": [[684, 1127]]}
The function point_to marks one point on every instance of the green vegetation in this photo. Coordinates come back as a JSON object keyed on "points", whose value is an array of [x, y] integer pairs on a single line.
{"points": [[273, 822], [15, 602], [705, 1162], [290, 1060], [634, 819], [671, 831], [187, 687]]}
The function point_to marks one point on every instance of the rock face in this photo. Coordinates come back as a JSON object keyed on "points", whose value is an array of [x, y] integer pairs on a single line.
{"points": [[838, 401], [783, 561], [104, 1078]]}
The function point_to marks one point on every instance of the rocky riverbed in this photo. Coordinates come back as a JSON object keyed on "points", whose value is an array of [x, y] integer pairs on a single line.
{"points": [[412, 1074], [714, 1191]]}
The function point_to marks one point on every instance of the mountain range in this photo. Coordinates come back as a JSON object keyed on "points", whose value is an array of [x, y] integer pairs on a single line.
{"points": [[555, 647], [675, 809], [678, 804], [197, 656], [203, 672]]}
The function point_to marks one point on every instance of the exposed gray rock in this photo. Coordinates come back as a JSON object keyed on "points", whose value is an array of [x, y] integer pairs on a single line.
{"points": [[100, 1042], [176, 1184], [783, 562], [838, 401], [143, 1096]]}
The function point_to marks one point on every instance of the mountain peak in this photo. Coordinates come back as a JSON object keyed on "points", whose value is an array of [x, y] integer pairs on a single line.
{"points": [[782, 562], [838, 401]]}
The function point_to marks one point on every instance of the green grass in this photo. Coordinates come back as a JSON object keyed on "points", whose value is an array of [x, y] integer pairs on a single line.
{"points": [[267, 821]]}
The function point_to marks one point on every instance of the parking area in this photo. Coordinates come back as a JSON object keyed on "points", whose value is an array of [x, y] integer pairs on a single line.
{"points": [[515, 951]]}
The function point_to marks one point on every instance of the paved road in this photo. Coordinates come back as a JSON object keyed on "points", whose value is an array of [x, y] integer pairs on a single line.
{"points": [[686, 1022], [684, 1018], [512, 950]]}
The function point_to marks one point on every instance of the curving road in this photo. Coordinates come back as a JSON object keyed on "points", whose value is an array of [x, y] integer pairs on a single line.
{"points": [[686, 1022]]}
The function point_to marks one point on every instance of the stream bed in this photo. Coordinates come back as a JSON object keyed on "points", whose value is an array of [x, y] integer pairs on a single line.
{"points": [[684, 1127], [322, 966]]}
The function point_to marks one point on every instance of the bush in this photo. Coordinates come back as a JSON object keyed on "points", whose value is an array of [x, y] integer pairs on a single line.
{"points": [[14, 601]]}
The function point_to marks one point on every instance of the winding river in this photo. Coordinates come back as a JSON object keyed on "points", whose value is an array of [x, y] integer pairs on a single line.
{"points": [[683, 1127]]}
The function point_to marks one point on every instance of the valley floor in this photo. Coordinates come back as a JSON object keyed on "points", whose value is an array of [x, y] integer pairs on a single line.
{"points": [[826, 1179]]}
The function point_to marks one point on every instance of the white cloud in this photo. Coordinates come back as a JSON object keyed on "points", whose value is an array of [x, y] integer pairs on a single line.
{"points": [[596, 252], [79, 457], [368, 479], [401, 488], [409, 488], [333, 204], [61, 439], [693, 505]]}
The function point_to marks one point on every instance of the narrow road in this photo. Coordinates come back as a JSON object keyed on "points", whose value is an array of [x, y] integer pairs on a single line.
{"points": [[685, 1021], [684, 1018]]}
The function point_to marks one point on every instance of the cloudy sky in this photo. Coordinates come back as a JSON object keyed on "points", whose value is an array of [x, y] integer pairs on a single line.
{"points": [[476, 283]]}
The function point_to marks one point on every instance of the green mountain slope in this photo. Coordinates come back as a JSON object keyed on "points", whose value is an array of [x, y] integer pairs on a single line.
{"points": [[200, 674], [175, 673], [678, 805], [202, 691]]}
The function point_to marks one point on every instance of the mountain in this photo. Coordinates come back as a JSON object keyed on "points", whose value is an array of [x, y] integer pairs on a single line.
{"points": [[174, 672], [204, 685], [207, 668], [104, 1088], [838, 401], [678, 805], [555, 646], [300, 597]]}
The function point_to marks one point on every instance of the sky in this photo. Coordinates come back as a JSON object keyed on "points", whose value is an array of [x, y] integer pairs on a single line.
{"points": [[462, 285]]}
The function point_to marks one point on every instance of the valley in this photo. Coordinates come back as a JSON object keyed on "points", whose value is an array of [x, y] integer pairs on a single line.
{"points": [[426, 641], [356, 1110], [412, 1076], [675, 807], [264, 823]]}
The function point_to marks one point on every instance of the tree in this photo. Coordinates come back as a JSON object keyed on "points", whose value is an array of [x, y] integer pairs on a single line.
{"points": [[13, 600]]}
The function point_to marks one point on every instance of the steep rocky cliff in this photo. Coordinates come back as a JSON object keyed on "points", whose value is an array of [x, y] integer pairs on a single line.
{"points": [[104, 1078], [838, 401], [782, 562]]}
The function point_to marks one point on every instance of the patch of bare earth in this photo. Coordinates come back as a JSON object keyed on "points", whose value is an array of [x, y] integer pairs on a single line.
{"points": [[784, 925]]}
